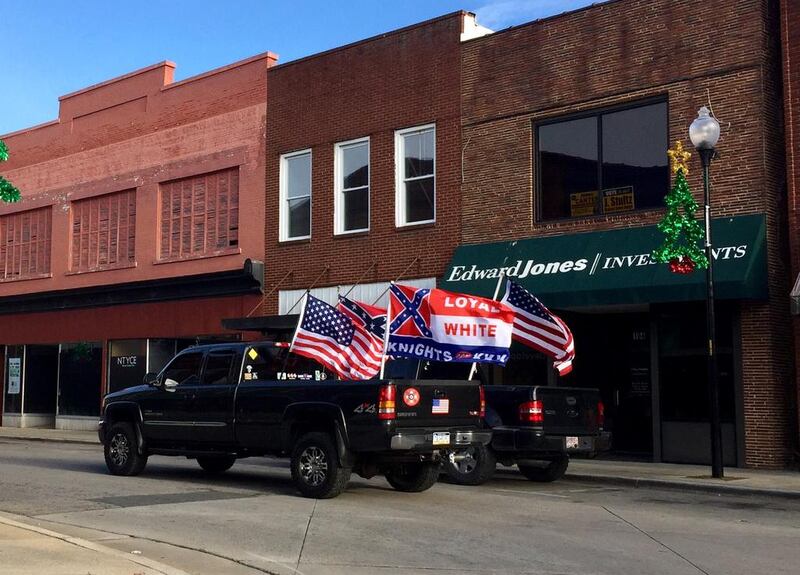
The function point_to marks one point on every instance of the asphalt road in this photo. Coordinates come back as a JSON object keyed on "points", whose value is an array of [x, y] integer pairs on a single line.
{"points": [[250, 521]]}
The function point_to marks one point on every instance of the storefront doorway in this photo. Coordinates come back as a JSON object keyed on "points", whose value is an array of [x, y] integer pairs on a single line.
{"points": [[614, 355]]}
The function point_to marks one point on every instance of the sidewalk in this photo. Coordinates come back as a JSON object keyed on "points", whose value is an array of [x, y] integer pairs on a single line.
{"points": [[31, 550], [629, 473], [687, 477]]}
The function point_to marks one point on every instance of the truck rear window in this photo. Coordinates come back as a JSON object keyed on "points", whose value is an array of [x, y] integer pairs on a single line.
{"points": [[265, 362]]}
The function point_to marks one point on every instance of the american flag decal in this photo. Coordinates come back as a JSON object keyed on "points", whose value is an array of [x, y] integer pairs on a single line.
{"points": [[441, 406]]}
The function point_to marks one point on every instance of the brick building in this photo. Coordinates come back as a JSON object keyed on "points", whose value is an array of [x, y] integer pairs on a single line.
{"points": [[127, 244], [565, 125], [364, 165], [790, 51]]}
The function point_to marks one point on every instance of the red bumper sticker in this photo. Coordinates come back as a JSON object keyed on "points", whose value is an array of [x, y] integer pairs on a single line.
{"points": [[411, 396]]}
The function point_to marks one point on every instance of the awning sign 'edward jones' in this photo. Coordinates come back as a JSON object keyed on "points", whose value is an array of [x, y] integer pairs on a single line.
{"points": [[614, 267], [521, 270]]}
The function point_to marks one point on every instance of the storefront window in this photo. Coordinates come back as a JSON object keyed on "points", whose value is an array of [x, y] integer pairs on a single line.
{"points": [[13, 379], [160, 351], [683, 363], [80, 375], [608, 162], [127, 363], [41, 379]]}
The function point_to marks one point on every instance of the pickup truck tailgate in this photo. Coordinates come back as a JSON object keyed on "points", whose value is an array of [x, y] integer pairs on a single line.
{"points": [[434, 403], [569, 411]]}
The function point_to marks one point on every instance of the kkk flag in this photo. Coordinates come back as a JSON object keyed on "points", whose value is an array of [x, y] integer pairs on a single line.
{"points": [[439, 325], [536, 327], [328, 336], [369, 324]]}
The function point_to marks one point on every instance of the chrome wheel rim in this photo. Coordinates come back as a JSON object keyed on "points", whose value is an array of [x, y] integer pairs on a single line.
{"points": [[119, 449], [469, 463], [313, 466]]}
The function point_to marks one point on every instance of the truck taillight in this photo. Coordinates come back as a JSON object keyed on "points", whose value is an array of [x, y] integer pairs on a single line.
{"points": [[601, 414], [386, 406], [483, 402], [531, 412]]}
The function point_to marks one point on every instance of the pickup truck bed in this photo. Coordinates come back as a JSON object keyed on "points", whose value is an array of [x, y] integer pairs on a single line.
{"points": [[222, 402]]}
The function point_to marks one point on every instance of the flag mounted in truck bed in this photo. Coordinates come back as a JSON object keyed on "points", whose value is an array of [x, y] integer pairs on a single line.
{"points": [[439, 325]]}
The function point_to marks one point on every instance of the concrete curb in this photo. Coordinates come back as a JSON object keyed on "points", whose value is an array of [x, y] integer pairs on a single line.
{"points": [[53, 439], [679, 485], [5, 518]]}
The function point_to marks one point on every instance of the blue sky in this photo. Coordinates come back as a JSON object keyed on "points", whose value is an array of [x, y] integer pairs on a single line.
{"points": [[54, 47]]}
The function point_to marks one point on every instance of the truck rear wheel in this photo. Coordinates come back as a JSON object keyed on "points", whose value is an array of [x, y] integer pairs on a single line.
{"points": [[315, 467], [475, 466], [121, 450], [550, 471], [216, 464], [413, 477]]}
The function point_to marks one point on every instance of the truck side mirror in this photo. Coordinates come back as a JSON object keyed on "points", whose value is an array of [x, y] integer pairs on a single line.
{"points": [[151, 379], [170, 384]]}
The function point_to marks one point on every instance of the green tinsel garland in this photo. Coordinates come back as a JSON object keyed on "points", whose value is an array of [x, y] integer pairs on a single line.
{"points": [[8, 193], [683, 233]]}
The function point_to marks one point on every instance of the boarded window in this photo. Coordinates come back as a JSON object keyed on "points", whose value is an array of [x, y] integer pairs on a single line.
{"points": [[25, 244], [104, 231], [200, 215]]}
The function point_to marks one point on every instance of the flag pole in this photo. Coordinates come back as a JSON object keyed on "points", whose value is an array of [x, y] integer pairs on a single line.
{"points": [[500, 279], [299, 323], [386, 334]]}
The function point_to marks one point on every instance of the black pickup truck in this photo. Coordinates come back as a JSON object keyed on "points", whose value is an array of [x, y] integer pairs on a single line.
{"points": [[217, 403], [536, 427]]}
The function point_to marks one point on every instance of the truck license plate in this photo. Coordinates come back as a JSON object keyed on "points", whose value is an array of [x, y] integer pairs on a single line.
{"points": [[441, 438], [572, 443]]}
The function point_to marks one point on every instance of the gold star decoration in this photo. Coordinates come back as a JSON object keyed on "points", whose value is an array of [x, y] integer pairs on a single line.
{"points": [[678, 158]]}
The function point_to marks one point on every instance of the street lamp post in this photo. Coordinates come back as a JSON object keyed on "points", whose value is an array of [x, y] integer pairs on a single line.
{"points": [[704, 133]]}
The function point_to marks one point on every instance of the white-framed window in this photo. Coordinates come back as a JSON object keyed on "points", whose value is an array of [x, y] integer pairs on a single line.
{"points": [[295, 195], [351, 176], [415, 169]]}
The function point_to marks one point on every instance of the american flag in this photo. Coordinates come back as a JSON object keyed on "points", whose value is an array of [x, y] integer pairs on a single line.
{"points": [[327, 335], [369, 323], [536, 327]]}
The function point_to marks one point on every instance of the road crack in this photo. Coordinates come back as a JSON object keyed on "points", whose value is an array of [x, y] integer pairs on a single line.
{"points": [[305, 536], [662, 544]]}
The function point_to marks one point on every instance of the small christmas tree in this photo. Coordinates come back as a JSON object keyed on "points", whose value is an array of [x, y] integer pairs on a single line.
{"points": [[8, 193], [683, 235]]}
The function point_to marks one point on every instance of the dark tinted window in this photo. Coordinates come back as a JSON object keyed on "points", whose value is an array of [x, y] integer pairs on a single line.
{"points": [[218, 368], [185, 369], [607, 163], [276, 363]]}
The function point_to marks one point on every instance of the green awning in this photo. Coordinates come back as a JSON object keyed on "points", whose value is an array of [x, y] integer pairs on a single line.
{"points": [[614, 267]]}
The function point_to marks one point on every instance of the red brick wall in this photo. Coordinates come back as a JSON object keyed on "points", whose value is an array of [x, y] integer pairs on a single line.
{"points": [[136, 132], [623, 51], [402, 79], [790, 52]]}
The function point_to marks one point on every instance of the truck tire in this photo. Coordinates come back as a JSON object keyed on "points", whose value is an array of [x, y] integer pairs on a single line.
{"points": [[121, 452], [413, 477], [315, 467], [476, 469], [216, 464], [552, 471]]}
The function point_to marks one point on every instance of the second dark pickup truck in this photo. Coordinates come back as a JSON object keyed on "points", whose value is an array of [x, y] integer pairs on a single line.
{"points": [[217, 403], [535, 427]]}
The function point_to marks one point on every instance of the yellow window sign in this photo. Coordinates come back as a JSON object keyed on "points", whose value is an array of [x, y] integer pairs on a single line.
{"points": [[618, 200], [582, 204], [253, 354]]}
